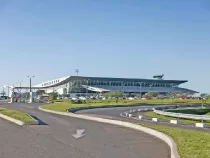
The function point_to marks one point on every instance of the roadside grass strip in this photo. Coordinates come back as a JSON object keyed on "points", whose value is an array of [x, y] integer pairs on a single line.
{"points": [[18, 115], [190, 143], [168, 118], [63, 105]]}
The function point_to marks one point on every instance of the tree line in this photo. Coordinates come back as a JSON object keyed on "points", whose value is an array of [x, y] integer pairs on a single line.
{"points": [[119, 94]]}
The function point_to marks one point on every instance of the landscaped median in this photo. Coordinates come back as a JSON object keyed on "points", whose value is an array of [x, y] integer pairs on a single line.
{"points": [[17, 117], [64, 105], [190, 143]]}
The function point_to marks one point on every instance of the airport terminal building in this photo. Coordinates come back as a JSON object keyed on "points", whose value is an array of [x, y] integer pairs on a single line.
{"points": [[89, 85]]}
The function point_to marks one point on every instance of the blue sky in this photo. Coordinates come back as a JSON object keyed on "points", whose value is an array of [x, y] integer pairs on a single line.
{"points": [[114, 38]]}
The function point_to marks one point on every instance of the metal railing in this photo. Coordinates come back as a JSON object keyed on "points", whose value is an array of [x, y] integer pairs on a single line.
{"points": [[181, 115]]}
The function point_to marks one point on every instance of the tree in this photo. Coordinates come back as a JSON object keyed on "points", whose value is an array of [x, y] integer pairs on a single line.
{"points": [[203, 95], [204, 98], [95, 95], [70, 90], [151, 94], [107, 94], [53, 96], [64, 92], [116, 94], [3, 93], [40, 92]]}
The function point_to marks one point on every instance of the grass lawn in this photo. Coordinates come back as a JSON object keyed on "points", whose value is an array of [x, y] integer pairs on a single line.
{"points": [[16, 115], [168, 118], [208, 113], [63, 105], [190, 144]]}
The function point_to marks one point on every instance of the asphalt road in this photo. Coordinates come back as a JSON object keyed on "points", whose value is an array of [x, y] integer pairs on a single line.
{"points": [[112, 112], [53, 139]]}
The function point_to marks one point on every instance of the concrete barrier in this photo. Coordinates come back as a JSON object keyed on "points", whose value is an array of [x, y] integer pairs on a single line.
{"points": [[129, 115], [160, 135], [140, 117], [200, 125], [174, 121], [155, 119], [180, 115]]}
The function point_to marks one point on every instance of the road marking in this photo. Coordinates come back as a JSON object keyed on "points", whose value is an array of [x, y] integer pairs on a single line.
{"points": [[79, 133]]}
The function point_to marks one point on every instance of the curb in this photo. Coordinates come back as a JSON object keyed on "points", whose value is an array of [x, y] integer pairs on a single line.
{"points": [[168, 140], [18, 122], [35, 122]]}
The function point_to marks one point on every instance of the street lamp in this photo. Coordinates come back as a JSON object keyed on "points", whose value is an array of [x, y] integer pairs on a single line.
{"points": [[30, 80], [123, 89], [140, 88], [20, 81], [8, 91], [87, 87], [77, 71]]}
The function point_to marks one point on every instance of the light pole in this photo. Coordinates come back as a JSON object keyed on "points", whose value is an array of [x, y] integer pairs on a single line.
{"points": [[3, 91], [20, 81], [172, 92], [87, 87], [77, 71], [8, 92], [30, 80], [123, 89], [140, 88]]}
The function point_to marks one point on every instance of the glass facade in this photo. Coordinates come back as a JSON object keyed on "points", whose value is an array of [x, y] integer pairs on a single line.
{"points": [[76, 85]]}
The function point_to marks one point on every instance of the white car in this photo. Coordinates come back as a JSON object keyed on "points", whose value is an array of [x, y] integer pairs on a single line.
{"points": [[59, 98], [82, 98], [130, 98], [74, 98]]}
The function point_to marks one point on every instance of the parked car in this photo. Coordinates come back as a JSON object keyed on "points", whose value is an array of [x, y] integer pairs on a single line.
{"points": [[130, 98], [82, 98]]}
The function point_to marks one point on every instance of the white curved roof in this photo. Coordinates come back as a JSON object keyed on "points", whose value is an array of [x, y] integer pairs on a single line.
{"points": [[51, 82]]}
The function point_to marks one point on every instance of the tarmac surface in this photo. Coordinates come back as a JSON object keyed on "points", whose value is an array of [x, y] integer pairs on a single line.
{"points": [[52, 138], [114, 113]]}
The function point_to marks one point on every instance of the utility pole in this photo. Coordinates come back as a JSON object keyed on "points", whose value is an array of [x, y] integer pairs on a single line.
{"points": [[87, 88], [31, 97], [140, 91], [8, 92], [20, 81], [3, 91], [123, 84], [30, 80]]}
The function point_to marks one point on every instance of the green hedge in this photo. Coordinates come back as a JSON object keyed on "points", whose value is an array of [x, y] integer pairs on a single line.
{"points": [[191, 111]]}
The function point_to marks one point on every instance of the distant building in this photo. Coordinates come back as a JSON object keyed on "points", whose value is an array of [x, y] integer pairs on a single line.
{"points": [[81, 84]]}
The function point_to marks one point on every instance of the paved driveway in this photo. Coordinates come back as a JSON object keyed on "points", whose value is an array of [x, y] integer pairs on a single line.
{"points": [[53, 139]]}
